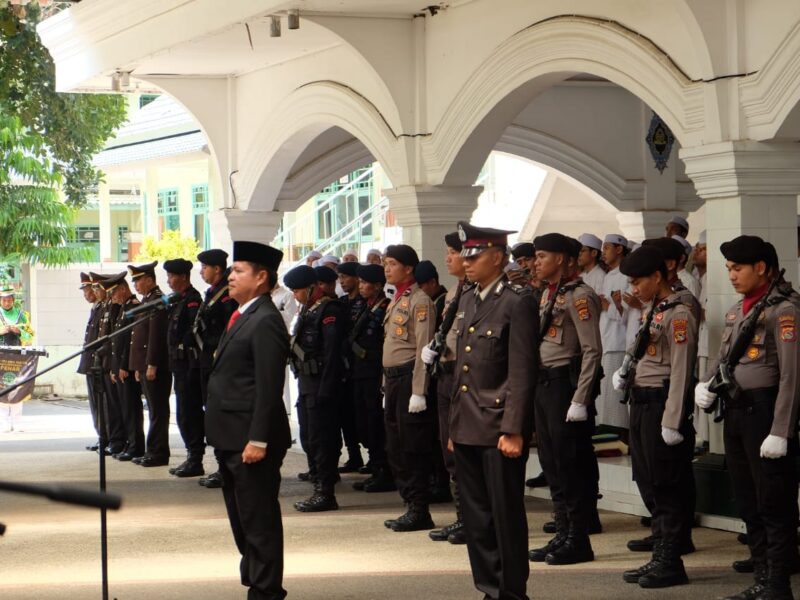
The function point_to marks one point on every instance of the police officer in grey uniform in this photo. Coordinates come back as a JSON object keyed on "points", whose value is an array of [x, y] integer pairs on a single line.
{"points": [[570, 353], [760, 411], [409, 325], [661, 432], [491, 414]]}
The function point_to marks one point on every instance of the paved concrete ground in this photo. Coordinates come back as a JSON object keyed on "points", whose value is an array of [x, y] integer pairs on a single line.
{"points": [[171, 539]]}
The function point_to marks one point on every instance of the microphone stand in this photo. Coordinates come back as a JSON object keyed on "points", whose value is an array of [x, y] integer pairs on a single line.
{"points": [[98, 387]]}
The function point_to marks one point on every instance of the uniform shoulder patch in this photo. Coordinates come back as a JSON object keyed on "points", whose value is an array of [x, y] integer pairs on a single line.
{"points": [[193, 305], [421, 313], [582, 306], [680, 330], [329, 320], [788, 325]]}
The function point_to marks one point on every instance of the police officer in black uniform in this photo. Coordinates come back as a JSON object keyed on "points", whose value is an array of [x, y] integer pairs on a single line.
{"points": [[354, 304], [129, 390], [188, 395], [85, 363], [366, 345], [316, 360], [209, 325]]}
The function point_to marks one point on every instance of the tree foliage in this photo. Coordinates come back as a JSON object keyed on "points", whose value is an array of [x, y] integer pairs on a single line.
{"points": [[171, 245], [47, 141]]}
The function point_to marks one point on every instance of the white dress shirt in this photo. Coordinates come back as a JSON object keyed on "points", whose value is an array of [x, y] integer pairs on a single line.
{"points": [[613, 324], [690, 282], [595, 278]]}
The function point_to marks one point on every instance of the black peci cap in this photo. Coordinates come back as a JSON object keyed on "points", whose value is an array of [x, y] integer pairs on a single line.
{"points": [[554, 242], [258, 253], [326, 275], [642, 262], [372, 273], [522, 250], [348, 268], [214, 258], [178, 266], [301, 277], [425, 271], [453, 241], [403, 254], [670, 249]]}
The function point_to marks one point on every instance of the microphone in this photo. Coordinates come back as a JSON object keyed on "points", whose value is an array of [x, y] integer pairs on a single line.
{"points": [[158, 304]]}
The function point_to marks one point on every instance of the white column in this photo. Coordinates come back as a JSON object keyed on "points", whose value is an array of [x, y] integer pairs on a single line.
{"points": [[232, 224], [427, 213]]}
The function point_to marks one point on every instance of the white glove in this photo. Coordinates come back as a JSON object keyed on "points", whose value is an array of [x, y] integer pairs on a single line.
{"points": [[416, 403], [617, 381], [428, 355], [671, 437], [773, 446], [576, 412], [702, 397]]}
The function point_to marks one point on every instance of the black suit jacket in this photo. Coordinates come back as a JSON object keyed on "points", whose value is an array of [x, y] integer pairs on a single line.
{"points": [[245, 389]]}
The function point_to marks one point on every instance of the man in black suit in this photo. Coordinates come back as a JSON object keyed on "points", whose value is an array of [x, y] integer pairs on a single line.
{"points": [[246, 420]]}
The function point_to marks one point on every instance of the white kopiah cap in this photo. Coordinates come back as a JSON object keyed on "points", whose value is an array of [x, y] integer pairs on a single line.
{"points": [[591, 241], [329, 258], [702, 238], [615, 238], [680, 221], [687, 247]]}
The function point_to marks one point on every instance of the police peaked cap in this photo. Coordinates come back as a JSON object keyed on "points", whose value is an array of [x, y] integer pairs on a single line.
{"points": [[137, 271], [258, 253], [554, 242], [178, 266], [109, 282], [453, 241], [96, 278], [348, 268], [671, 249], [523, 250], [86, 280], [642, 262], [748, 250], [402, 253], [425, 271], [326, 274], [372, 273], [214, 258], [477, 239], [299, 278]]}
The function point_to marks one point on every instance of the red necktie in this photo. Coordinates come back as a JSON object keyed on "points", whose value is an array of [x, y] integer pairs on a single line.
{"points": [[236, 314]]}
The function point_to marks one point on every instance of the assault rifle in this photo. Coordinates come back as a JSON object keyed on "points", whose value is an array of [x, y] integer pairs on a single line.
{"points": [[439, 343], [547, 315], [632, 358], [723, 383]]}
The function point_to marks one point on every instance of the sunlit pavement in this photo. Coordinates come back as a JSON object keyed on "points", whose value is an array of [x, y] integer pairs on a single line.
{"points": [[171, 539]]}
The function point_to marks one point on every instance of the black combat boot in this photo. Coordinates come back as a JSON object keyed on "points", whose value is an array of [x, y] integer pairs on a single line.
{"points": [[633, 575], [539, 481], [354, 461], [759, 584], [419, 518], [595, 526], [778, 587], [668, 570], [404, 517], [382, 481], [576, 549], [443, 534], [320, 501], [562, 527]]}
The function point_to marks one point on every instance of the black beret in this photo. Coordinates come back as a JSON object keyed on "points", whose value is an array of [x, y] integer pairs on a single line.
{"points": [[642, 262], [772, 256], [326, 274], [372, 273], [425, 271], [178, 266], [137, 271], [576, 247], [747, 250], [402, 253], [257, 253], [453, 241], [214, 258], [522, 250], [301, 277], [348, 268], [670, 249], [554, 242]]}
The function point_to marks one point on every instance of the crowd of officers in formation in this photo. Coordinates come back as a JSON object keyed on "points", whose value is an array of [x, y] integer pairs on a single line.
{"points": [[447, 389]]}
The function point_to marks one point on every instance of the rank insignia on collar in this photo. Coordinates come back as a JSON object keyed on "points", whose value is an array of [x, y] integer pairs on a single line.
{"points": [[404, 304], [399, 331], [651, 350], [560, 299], [551, 332]]}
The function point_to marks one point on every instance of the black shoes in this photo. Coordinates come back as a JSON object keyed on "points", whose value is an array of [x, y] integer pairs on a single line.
{"points": [[306, 476], [576, 549], [418, 518], [366, 470], [112, 450], [382, 481], [539, 481], [352, 465], [458, 538], [634, 575], [540, 554], [668, 570], [152, 461], [318, 502], [129, 455], [443, 534], [93, 446], [211, 481], [189, 469]]}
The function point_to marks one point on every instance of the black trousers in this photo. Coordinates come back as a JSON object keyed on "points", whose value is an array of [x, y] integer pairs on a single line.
{"points": [[115, 426], [157, 394], [189, 405], [765, 488], [251, 499], [444, 390], [566, 453], [302, 422], [369, 418], [347, 417], [409, 440], [130, 392], [323, 440], [492, 489], [93, 399], [663, 473]]}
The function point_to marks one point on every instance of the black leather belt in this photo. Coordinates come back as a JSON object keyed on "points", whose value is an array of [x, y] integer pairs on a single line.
{"points": [[646, 395], [393, 372], [749, 398], [547, 375]]}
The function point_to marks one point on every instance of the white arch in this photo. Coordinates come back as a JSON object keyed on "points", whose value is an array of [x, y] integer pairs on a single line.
{"points": [[297, 120], [541, 55]]}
